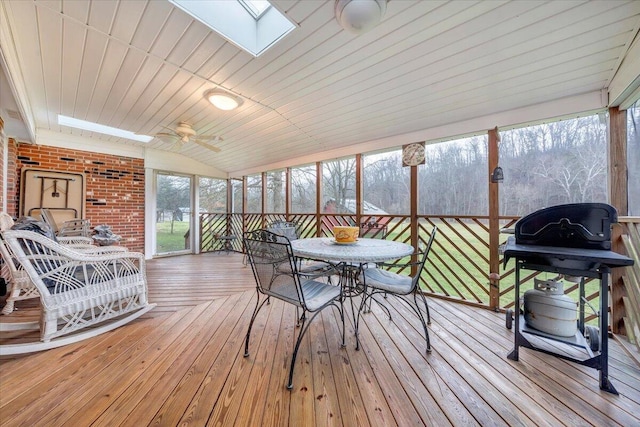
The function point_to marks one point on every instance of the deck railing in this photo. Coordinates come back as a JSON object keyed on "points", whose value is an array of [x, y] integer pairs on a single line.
{"points": [[630, 279], [457, 269]]}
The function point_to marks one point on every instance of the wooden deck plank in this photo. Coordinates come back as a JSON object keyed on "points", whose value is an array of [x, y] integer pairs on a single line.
{"points": [[327, 404], [257, 390], [144, 395], [411, 362], [237, 399], [129, 366], [513, 386], [378, 400], [207, 398], [567, 373], [61, 389], [278, 399], [173, 407], [183, 363], [410, 397], [552, 375]]}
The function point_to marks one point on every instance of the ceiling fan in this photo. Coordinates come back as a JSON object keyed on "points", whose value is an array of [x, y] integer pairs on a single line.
{"points": [[184, 133]]}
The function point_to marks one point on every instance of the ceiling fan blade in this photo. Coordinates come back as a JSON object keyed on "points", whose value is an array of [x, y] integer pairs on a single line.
{"points": [[166, 135], [207, 146], [209, 138]]}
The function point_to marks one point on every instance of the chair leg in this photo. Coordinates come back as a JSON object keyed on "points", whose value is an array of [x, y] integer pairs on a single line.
{"points": [[13, 296], [303, 330], [253, 317], [426, 306], [304, 327], [424, 325], [363, 304]]}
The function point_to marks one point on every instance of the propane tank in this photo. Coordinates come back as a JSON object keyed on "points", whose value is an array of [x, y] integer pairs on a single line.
{"points": [[549, 310]]}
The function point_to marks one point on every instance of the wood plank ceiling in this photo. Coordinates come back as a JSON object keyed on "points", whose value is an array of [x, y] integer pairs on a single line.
{"points": [[143, 65]]}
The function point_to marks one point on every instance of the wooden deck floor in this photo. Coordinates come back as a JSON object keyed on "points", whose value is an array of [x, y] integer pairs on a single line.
{"points": [[183, 364]]}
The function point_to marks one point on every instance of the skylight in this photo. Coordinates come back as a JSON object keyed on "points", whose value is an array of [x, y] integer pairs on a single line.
{"points": [[95, 127], [255, 7], [252, 25]]}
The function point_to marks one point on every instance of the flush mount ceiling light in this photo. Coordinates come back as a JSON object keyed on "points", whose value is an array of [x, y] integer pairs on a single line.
{"points": [[223, 100], [358, 16]]}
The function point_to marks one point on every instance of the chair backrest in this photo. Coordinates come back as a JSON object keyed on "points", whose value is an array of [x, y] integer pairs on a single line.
{"points": [[47, 217], [273, 265], [6, 221], [10, 265], [373, 230], [75, 227], [284, 228], [423, 259]]}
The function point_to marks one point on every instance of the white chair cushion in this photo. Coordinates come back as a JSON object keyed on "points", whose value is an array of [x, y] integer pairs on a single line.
{"points": [[317, 294], [311, 266], [387, 281]]}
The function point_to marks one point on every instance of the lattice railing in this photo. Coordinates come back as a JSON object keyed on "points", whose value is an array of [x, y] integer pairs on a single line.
{"points": [[457, 268]]}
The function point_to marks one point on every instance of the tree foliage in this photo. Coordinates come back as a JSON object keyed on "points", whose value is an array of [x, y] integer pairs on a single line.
{"points": [[544, 165]]}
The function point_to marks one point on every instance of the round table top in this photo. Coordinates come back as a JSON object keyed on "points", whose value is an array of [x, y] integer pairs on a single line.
{"points": [[363, 250]]}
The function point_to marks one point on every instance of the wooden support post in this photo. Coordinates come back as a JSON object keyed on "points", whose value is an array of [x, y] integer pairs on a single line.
{"points": [[318, 199], [494, 223], [244, 203], [287, 193], [263, 199], [415, 226], [618, 194], [358, 189]]}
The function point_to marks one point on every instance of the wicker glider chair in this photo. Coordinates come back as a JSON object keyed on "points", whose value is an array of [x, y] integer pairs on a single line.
{"points": [[82, 294], [276, 274], [378, 281], [20, 286]]}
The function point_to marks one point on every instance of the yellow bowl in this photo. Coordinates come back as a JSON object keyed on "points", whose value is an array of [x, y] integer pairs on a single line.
{"points": [[344, 234]]}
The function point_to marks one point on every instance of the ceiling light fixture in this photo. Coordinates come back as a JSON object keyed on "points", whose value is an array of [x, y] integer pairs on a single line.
{"points": [[223, 100], [359, 16]]}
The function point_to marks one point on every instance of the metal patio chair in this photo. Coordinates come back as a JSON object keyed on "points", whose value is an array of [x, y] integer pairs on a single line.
{"points": [[71, 228], [276, 273], [310, 268], [378, 281]]}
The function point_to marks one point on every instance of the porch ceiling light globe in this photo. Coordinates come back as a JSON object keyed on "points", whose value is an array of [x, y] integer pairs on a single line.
{"points": [[358, 16], [223, 100]]}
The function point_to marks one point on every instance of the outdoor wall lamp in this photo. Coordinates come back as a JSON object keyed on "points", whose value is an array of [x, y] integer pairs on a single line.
{"points": [[497, 175]]}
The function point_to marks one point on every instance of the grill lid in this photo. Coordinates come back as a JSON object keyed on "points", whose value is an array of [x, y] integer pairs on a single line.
{"points": [[575, 225]]}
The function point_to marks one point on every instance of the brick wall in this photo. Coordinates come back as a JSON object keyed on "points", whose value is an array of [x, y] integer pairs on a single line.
{"points": [[12, 179], [115, 186]]}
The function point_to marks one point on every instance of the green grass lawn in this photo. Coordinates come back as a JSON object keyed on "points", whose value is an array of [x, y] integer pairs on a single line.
{"points": [[167, 241]]}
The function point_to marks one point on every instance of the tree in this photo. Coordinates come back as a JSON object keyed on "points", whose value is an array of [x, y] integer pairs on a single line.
{"points": [[173, 193], [339, 180]]}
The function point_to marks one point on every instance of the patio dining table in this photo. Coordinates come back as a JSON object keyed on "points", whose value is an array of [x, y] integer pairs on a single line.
{"points": [[361, 251], [350, 256]]}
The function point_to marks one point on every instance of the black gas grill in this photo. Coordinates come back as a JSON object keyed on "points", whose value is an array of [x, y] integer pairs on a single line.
{"points": [[572, 240]]}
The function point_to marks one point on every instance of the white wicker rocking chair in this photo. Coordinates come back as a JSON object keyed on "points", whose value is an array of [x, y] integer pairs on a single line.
{"points": [[82, 294], [20, 286]]}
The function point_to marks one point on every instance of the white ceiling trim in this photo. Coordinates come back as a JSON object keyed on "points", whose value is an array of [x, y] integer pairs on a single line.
{"points": [[176, 162], [76, 142], [587, 103], [9, 57], [624, 86]]}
